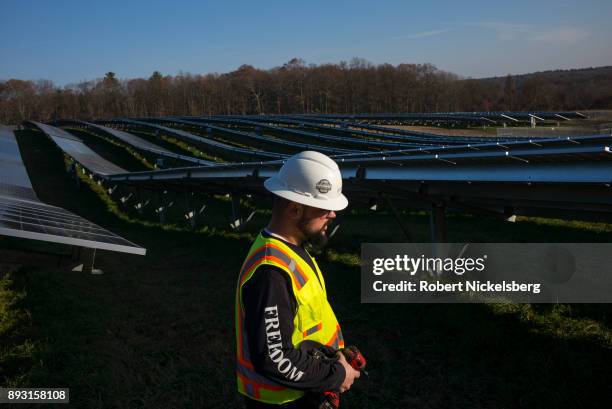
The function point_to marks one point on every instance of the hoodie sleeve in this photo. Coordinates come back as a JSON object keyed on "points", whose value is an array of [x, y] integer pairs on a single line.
{"points": [[270, 309]]}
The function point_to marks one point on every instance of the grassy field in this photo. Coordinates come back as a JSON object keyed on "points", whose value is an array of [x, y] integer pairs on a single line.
{"points": [[157, 331]]}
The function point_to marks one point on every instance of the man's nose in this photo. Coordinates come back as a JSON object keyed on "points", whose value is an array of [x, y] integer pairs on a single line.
{"points": [[331, 214]]}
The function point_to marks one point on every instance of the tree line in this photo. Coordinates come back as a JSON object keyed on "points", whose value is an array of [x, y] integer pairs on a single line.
{"points": [[348, 87]]}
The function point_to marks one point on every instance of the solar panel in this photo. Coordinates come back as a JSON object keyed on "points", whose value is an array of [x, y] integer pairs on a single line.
{"points": [[39, 221], [405, 141], [252, 138], [128, 138], [14, 180], [389, 133], [568, 165], [186, 136], [355, 143], [139, 143], [23, 215], [75, 147], [465, 117]]}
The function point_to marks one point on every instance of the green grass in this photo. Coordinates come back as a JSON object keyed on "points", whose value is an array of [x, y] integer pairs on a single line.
{"points": [[157, 331], [16, 348]]}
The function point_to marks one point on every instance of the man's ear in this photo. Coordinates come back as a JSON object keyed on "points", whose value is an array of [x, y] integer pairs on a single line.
{"points": [[295, 210]]}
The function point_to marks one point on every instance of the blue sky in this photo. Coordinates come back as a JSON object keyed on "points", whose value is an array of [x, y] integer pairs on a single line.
{"points": [[70, 41]]}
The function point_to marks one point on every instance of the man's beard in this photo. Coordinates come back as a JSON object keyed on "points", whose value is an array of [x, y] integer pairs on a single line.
{"points": [[317, 238]]}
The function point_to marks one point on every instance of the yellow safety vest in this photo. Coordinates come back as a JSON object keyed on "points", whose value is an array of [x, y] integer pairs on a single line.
{"points": [[314, 320]]}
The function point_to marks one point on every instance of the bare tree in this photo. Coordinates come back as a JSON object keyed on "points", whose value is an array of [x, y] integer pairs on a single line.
{"points": [[348, 87]]}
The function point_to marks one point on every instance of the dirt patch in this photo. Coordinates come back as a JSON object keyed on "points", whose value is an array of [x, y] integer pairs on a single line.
{"points": [[444, 131]]}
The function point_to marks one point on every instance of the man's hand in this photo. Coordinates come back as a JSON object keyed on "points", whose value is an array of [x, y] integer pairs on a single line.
{"points": [[351, 374]]}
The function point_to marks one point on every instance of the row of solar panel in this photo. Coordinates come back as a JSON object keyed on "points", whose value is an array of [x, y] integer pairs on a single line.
{"points": [[513, 149], [482, 150], [23, 215], [366, 157], [471, 148], [466, 116], [582, 160]]}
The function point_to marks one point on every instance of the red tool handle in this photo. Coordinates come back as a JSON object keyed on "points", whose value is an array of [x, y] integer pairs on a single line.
{"points": [[354, 358]]}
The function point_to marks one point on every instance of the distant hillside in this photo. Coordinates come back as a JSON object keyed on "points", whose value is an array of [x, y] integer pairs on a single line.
{"points": [[576, 73], [583, 88]]}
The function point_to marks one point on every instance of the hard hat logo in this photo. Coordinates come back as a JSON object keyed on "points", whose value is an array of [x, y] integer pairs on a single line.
{"points": [[323, 186]]}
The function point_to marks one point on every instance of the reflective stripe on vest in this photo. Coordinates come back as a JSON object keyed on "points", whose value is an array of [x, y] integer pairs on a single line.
{"points": [[314, 319], [273, 253], [337, 341]]}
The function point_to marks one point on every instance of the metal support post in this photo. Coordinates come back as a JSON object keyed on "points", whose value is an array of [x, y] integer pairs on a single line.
{"points": [[88, 257], [236, 214], [139, 205], [191, 214], [398, 217], [161, 209], [437, 223], [437, 227]]}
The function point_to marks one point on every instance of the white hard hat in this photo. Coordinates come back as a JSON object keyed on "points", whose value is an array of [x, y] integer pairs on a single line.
{"points": [[309, 178]]}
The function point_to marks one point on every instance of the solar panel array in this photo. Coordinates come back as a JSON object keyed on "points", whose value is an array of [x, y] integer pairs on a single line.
{"points": [[522, 175], [209, 144], [135, 141], [23, 215], [380, 131], [252, 138], [411, 139], [467, 117], [346, 141]]}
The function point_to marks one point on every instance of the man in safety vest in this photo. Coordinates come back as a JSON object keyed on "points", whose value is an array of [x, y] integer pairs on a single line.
{"points": [[281, 299]]}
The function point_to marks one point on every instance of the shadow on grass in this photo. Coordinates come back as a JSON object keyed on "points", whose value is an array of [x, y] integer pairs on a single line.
{"points": [[462, 355]]}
